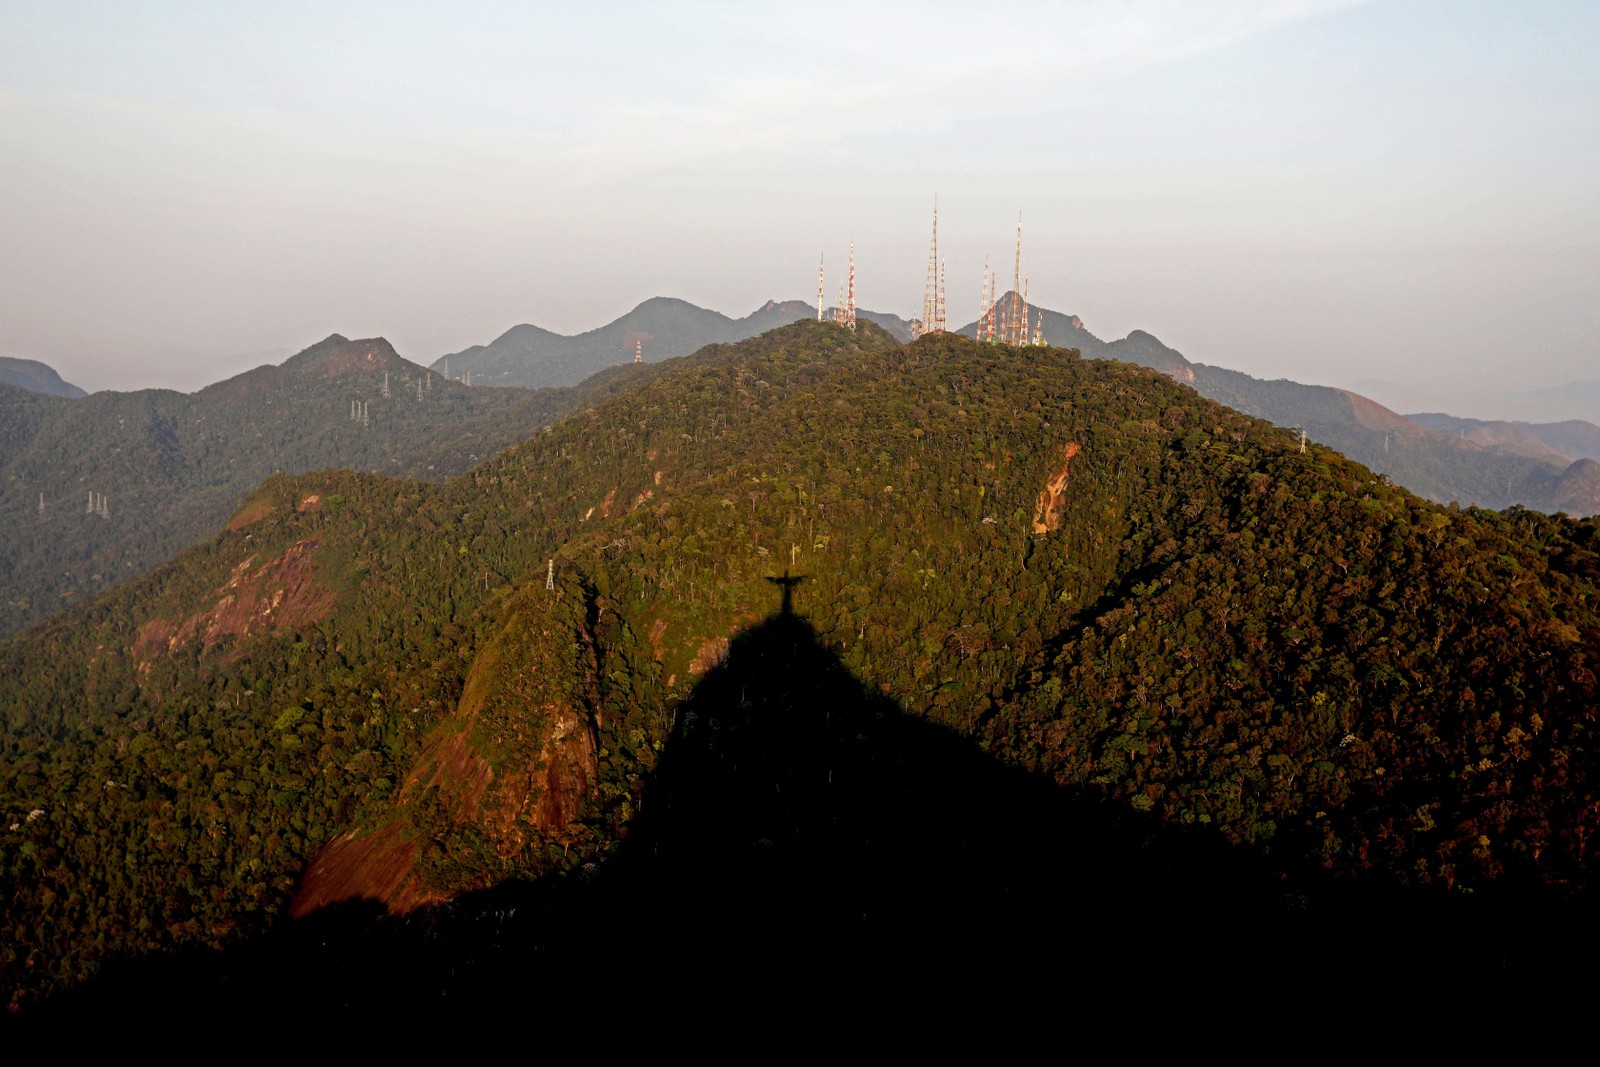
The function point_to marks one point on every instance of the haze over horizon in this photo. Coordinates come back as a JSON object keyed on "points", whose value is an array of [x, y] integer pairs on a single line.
{"points": [[1332, 192]]}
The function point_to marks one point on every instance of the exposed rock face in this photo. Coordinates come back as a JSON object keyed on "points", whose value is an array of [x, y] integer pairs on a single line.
{"points": [[513, 766], [1052, 498], [280, 592], [549, 795], [355, 866], [544, 797]]}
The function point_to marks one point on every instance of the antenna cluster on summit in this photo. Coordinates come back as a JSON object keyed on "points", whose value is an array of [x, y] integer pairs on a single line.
{"points": [[1006, 325], [1001, 319]]}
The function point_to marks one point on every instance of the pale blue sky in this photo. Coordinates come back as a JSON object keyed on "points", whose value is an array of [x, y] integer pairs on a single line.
{"points": [[1325, 191]]}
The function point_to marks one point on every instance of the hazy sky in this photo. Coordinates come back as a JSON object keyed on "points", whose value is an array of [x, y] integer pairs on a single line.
{"points": [[1332, 192]]}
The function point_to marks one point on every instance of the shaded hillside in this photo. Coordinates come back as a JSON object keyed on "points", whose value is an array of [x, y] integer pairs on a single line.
{"points": [[35, 377], [172, 467], [803, 832], [1435, 463], [1137, 621]]}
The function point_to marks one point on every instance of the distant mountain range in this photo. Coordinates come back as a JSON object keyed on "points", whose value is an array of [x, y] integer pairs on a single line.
{"points": [[1558, 403], [35, 377], [1556, 441], [659, 328], [99, 488]]}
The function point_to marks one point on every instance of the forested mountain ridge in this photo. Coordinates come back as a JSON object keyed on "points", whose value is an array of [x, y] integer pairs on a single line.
{"points": [[1073, 571], [170, 467]]}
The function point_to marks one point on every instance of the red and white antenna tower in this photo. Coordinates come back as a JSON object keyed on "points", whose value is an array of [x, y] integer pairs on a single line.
{"points": [[850, 308], [930, 293], [1022, 335], [939, 321], [1017, 320], [819, 288], [994, 296], [986, 304]]}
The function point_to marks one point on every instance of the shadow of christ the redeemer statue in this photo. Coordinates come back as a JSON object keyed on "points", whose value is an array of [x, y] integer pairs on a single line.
{"points": [[788, 584]]}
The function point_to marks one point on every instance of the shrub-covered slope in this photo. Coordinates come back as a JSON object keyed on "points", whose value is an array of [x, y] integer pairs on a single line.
{"points": [[1073, 572]]}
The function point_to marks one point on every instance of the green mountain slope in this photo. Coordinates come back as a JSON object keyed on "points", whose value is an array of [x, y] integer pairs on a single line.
{"points": [[171, 467], [1169, 656]]}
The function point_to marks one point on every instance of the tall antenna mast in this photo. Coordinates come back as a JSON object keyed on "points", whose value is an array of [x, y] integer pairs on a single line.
{"points": [[1018, 317], [850, 309], [1022, 337], [820, 260], [986, 309], [940, 321]]}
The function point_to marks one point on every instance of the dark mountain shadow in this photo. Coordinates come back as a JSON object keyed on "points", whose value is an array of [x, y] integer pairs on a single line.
{"points": [[804, 837]]}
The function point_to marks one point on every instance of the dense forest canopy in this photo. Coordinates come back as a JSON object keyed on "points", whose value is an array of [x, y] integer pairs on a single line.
{"points": [[1073, 571]]}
